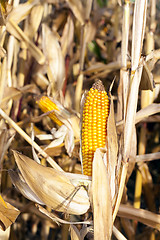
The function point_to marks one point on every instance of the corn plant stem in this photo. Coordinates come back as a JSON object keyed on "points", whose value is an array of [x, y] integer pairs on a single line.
{"points": [[29, 140]]}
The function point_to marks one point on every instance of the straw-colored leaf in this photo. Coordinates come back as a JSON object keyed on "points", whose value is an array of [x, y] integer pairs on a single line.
{"points": [[52, 187], [53, 53], [141, 215], [67, 37], [77, 9], [6, 137], [148, 157], [147, 111], [20, 12], [34, 20], [16, 31], [102, 203], [139, 22], [112, 148], [131, 112], [8, 214], [147, 82]]}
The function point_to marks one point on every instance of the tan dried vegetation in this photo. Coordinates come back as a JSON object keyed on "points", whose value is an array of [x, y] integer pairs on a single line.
{"points": [[58, 49]]}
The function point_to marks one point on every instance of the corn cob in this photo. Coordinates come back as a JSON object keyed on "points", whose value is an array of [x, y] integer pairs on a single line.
{"points": [[46, 105], [94, 124]]}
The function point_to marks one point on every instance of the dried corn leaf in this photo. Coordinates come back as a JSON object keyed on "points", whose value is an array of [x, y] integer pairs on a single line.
{"points": [[146, 217], [15, 30], [11, 93], [8, 214], [53, 54], [148, 157], [52, 187], [147, 111], [142, 114], [112, 148], [6, 137], [34, 20], [101, 193], [147, 82], [67, 36], [22, 11], [131, 112], [77, 9]]}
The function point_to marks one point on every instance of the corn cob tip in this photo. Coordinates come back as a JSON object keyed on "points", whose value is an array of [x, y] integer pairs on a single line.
{"points": [[98, 85]]}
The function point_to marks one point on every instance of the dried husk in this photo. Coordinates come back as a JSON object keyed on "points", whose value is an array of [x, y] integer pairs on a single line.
{"points": [[102, 201], [52, 187], [22, 187]]}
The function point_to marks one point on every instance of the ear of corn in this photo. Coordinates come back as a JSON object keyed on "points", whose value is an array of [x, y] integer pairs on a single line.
{"points": [[46, 105], [94, 124]]}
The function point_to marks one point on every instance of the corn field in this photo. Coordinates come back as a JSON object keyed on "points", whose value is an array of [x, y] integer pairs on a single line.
{"points": [[79, 119]]}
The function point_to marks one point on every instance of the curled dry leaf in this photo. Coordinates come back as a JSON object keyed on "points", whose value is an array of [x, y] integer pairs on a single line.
{"points": [[102, 202], [53, 187], [8, 214]]}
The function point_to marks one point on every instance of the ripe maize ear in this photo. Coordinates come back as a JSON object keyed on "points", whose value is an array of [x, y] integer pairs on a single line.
{"points": [[94, 124], [46, 105]]}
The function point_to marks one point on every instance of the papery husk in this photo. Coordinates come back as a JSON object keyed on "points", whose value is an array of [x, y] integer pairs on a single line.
{"points": [[22, 187], [102, 201], [52, 187]]}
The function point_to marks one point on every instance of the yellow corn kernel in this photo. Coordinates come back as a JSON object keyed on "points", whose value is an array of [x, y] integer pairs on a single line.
{"points": [[94, 124], [46, 105]]}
